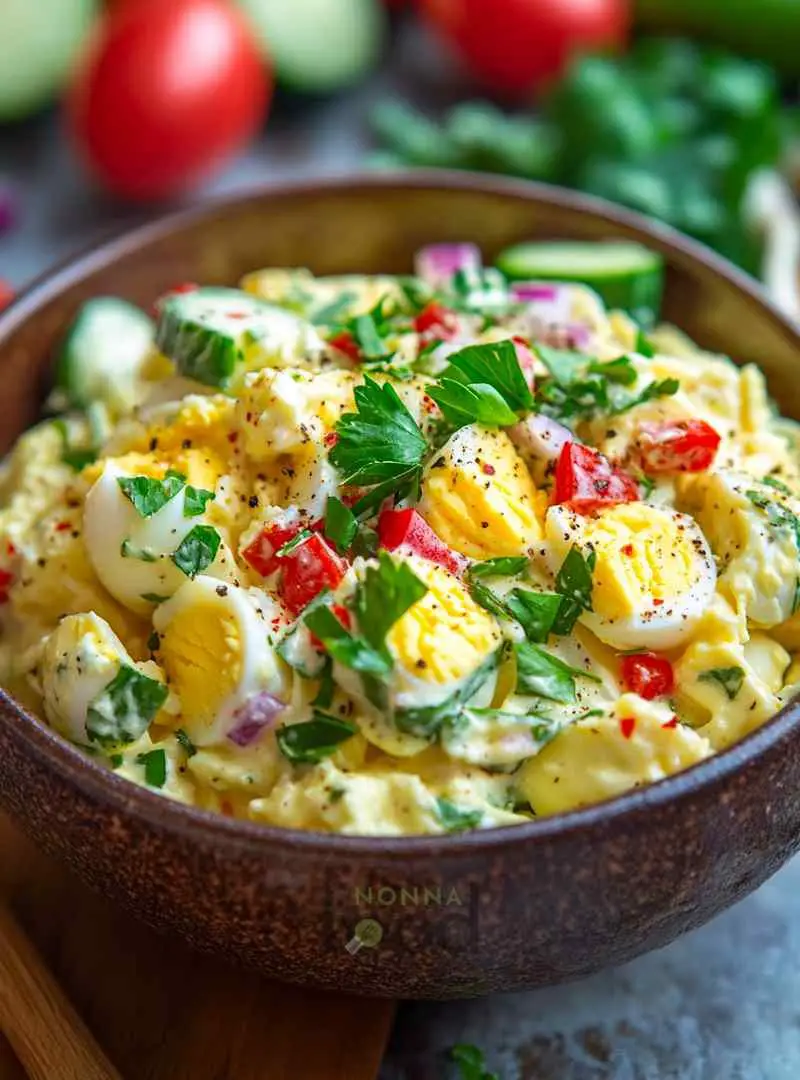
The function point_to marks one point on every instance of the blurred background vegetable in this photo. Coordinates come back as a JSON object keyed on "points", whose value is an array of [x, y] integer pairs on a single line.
{"points": [[165, 93], [39, 41]]}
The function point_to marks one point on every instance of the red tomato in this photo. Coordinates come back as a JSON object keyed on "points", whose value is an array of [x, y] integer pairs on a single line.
{"points": [[587, 481], [307, 571], [514, 46], [409, 530], [347, 344], [166, 92], [436, 322], [677, 446], [647, 675]]}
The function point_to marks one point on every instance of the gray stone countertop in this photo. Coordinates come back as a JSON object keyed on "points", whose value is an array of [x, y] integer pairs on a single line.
{"points": [[722, 1003]]}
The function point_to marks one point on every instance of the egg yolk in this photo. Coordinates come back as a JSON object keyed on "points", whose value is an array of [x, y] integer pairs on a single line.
{"points": [[643, 555], [201, 651], [445, 635], [483, 504]]}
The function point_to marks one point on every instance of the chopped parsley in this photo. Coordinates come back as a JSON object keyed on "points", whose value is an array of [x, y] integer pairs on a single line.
{"points": [[197, 551], [312, 740], [619, 371], [493, 366], [774, 482], [327, 687], [341, 524], [536, 612], [350, 650], [293, 544], [379, 444], [505, 566], [778, 515], [574, 584], [653, 390], [195, 501], [147, 495], [130, 551], [644, 346], [477, 403], [541, 673], [122, 712], [471, 1063], [729, 678], [457, 818], [155, 767], [426, 721], [331, 314]]}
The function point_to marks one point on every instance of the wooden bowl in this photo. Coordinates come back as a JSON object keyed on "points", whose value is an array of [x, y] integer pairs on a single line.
{"points": [[460, 915]]}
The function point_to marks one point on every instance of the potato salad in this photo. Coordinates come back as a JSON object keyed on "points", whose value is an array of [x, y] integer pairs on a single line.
{"points": [[401, 555]]}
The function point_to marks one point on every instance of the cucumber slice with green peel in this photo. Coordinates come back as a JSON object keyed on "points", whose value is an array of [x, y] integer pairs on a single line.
{"points": [[103, 354], [318, 46], [626, 275], [216, 335]]}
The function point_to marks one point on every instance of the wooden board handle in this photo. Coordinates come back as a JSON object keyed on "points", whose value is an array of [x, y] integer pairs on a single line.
{"points": [[46, 1033]]}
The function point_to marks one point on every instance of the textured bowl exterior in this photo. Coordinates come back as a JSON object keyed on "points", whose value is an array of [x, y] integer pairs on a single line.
{"points": [[506, 909]]}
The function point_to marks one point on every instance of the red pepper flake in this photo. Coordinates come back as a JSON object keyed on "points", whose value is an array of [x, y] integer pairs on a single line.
{"points": [[488, 470], [10, 548], [233, 437], [63, 526], [331, 439], [627, 549], [428, 404], [657, 602], [627, 725], [673, 723]]}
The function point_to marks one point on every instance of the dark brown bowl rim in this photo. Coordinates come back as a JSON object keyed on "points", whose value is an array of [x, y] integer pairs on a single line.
{"points": [[80, 769]]}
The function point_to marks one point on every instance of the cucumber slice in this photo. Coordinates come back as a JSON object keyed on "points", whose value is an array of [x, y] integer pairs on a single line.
{"points": [[317, 46], [102, 355], [215, 335], [625, 274]]}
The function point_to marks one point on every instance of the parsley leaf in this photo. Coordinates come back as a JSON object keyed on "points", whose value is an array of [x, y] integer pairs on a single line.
{"points": [[729, 678], [474, 403], [195, 500], [149, 496], [574, 583], [331, 314], [504, 566], [386, 593], [487, 599], [122, 711], [155, 767], [471, 1062], [644, 346], [380, 443], [565, 367], [327, 687], [130, 551], [535, 612], [662, 388], [494, 364], [341, 524], [348, 649], [197, 550], [292, 545], [455, 818], [774, 482], [427, 720], [619, 371], [539, 672], [312, 740], [778, 515]]}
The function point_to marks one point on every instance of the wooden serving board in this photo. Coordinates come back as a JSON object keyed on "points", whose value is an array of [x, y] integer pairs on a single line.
{"points": [[162, 1012]]}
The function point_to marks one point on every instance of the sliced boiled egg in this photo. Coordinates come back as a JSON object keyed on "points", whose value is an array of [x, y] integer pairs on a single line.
{"points": [[81, 658], [216, 646], [479, 497], [654, 574], [753, 529], [134, 555]]}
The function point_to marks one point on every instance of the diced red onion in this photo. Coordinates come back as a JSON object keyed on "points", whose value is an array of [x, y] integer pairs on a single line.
{"points": [[547, 301], [257, 714], [540, 437], [437, 264], [526, 292]]}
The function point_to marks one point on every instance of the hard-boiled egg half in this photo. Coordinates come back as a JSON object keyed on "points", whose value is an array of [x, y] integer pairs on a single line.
{"points": [[82, 659], [753, 529], [146, 535], [654, 574], [216, 646], [478, 496]]}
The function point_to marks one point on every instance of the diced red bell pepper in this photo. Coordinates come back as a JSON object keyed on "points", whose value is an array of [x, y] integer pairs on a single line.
{"points": [[677, 446], [306, 571], [343, 615], [6, 581], [436, 322], [260, 554], [586, 480], [647, 675], [347, 344], [408, 530]]}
